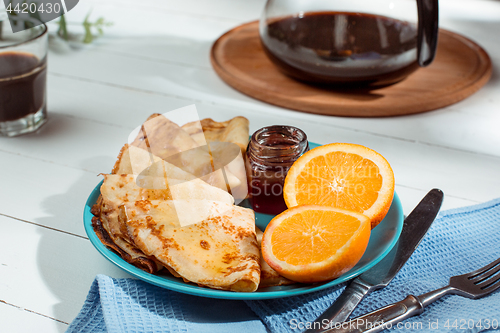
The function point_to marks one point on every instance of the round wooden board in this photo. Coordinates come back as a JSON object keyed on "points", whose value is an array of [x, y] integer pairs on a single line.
{"points": [[460, 68]]}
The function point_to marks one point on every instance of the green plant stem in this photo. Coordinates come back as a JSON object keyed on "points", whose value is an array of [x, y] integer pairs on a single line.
{"points": [[88, 32], [87, 26], [63, 29]]}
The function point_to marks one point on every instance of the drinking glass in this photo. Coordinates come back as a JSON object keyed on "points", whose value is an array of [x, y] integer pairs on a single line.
{"points": [[23, 76]]}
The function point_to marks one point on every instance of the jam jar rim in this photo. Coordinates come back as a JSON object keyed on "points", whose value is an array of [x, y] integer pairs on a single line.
{"points": [[295, 146], [298, 149]]}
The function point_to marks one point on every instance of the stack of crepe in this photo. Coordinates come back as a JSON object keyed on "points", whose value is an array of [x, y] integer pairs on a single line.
{"points": [[169, 202]]}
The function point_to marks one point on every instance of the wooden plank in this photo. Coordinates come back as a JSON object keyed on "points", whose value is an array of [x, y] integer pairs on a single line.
{"points": [[233, 10], [15, 319], [45, 193], [47, 271], [87, 145]]}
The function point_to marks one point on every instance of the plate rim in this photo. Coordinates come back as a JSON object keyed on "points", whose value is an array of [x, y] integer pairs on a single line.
{"points": [[223, 294]]}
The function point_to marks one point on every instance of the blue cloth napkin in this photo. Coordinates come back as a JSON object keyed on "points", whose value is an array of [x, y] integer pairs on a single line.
{"points": [[459, 241], [129, 305]]}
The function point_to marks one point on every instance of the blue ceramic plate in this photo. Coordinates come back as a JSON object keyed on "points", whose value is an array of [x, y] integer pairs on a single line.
{"points": [[382, 239]]}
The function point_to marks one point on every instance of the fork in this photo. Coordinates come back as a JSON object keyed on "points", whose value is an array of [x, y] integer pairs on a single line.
{"points": [[473, 285]]}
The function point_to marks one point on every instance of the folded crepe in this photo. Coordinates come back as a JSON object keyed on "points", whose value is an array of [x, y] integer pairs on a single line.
{"points": [[141, 175], [119, 189], [165, 224], [165, 139], [137, 161], [216, 134], [234, 130], [127, 251], [220, 251], [130, 163]]}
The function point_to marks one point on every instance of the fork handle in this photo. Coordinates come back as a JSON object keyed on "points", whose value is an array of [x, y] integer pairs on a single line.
{"points": [[392, 314], [383, 318]]}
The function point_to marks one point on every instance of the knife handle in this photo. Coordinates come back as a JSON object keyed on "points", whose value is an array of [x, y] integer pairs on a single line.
{"points": [[342, 308], [381, 319]]}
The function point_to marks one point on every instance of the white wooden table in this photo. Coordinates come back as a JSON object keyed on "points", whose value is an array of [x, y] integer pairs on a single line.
{"points": [[156, 59]]}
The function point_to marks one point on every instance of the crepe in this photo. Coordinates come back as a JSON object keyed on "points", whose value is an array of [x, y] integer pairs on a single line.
{"points": [[163, 138], [219, 252], [131, 161], [168, 203], [217, 135], [228, 157], [152, 185], [152, 173], [234, 130], [135, 161], [128, 252]]}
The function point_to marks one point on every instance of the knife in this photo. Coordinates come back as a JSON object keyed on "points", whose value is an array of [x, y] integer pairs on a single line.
{"points": [[415, 227]]}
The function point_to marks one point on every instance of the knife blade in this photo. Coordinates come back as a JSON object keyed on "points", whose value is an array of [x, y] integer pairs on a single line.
{"points": [[415, 227]]}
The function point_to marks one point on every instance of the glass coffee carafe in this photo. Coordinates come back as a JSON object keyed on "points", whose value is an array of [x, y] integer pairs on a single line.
{"points": [[350, 43]]}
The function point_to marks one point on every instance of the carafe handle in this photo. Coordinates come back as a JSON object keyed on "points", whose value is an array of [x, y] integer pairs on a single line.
{"points": [[428, 18]]}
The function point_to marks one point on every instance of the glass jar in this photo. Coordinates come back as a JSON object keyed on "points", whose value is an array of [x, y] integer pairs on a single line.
{"points": [[270, 154]]}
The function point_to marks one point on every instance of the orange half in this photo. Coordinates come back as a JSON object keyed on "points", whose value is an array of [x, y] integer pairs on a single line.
{"points": [[342, 175], [315, 243]]}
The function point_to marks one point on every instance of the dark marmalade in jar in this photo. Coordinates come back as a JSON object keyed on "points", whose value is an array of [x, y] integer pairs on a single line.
{"points": [[270, 154]]}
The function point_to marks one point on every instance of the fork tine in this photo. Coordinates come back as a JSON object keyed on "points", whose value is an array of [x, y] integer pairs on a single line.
{"points": [[492, 286], [482, 270], [486, 275], [486, 283]]}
